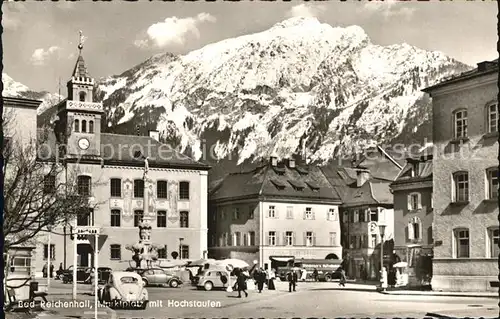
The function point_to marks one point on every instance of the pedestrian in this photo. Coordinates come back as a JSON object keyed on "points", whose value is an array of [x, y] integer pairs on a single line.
{"points": [[272, 276], [315, 274], [342, 277], [44, 271], [51, 270], [260, 278], [292, 278], [241, 281], [303, 275]]}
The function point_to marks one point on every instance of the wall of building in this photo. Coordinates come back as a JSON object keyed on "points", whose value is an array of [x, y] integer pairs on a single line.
{"points": [[195, 236], [20, 121], [475, 156]]}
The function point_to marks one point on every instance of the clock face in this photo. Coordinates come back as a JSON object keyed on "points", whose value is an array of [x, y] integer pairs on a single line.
{"points": [[83, 143]]}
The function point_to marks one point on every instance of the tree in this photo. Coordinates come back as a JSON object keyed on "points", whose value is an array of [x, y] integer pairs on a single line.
{"points": [[38, 192]]}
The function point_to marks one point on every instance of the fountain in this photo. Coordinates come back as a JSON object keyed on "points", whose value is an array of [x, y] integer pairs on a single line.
{"points": [[144, 251]]}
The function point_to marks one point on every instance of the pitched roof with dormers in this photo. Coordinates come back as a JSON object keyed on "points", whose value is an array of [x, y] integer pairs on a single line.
{"points": [[298, 183]]}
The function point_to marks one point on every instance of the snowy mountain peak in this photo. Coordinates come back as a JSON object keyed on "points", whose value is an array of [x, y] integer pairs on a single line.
{"points": [[308, 22]]}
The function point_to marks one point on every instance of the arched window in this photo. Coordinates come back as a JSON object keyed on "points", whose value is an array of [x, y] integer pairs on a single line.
{"points": [[91, 126], [461, 186], [460, 124], [492, 117], [82, 96], [77, 125], [84, 126]]}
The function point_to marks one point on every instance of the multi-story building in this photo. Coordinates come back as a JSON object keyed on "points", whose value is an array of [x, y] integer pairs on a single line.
{"points": [[413, 215], [19, 120], [276, 212], [465, 179], [108, 168], [366, 202]]}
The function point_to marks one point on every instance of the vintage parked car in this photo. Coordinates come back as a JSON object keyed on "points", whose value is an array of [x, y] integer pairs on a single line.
{"points": [[84, 274], [214, 278], [124, 290], [157, 277]]}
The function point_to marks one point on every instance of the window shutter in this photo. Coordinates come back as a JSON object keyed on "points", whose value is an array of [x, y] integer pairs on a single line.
{"points": [[408, 202], [305, 238], [304, 214], [328, 214], [420, 230], [293, 238], [314, 239], [419, 201], [407, 234], [284, 239], [313, 214], [411, 236], [277, 238], [267, 240], [276, 213]]}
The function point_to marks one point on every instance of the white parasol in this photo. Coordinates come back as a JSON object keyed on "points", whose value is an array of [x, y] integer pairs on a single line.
{"points": [[201, 262], [234, 263]]}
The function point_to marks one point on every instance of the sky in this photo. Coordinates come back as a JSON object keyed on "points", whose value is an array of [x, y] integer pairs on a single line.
{"points": [[40, 39]]}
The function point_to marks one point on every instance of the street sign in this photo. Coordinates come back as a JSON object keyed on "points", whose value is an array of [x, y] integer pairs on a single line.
{"points": [[88, 230]]}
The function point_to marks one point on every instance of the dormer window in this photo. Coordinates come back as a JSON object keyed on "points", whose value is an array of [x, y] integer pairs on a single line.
{"points": [[91, 126], [302, 171], [279, 185], [84, 126], [298, 186], [313, 186], [82, 95], [77, 125]]}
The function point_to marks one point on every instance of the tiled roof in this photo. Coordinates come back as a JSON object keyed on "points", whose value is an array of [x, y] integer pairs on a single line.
{"points": [[80, 69], [267, 181], [424, 171], [119, 149]]}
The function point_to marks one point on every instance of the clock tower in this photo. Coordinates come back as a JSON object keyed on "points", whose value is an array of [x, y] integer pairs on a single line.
{"points": [[80, 115]]}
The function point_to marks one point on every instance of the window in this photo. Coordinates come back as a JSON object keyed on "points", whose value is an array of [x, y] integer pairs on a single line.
{"points": [[460, 120], [250, 212], [332, 214], [462, 243], [494, 235], [161, 219], [222, 214], [373, 241], [356, 216], [289, 238], [115, 252], [184, 190], [271, 213], [492, 183], [138, 188], [184, 254], [85, 218], [115, 187], [236, 214], [237, 239], [361, 215], [414, 202], [430, 239], [115, 218], [82, 96], [289, 212], [493, 118], [251, 238], [162, 252], [223, 240], [77, 126], [91, 126], [84, 185], [461, 181], [138, 216], [161, 189], [184, 219], [374, 215], [52, 251], [49, 184], [308, 213], [272, 238], [84, 126], [333, 239], [416, 225], [309, 238]]}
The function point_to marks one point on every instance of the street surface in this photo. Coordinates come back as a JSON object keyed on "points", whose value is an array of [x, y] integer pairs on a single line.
{"points": [[310, 300]]}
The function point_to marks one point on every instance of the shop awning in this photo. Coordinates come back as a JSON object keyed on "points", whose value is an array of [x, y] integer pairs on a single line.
{"points": [[281, 258]]}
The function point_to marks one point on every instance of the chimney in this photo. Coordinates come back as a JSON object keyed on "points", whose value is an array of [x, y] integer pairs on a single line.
{"points": [[274, 161], [154, 135], [291, 163], [362, 176]]}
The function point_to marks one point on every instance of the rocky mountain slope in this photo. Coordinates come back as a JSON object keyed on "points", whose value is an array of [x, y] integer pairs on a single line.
{"points": [[299, 85], [12, 88]]}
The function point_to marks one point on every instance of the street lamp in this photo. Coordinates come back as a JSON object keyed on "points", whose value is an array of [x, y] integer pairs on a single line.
{"points": [[381, 228], [180, 247]]}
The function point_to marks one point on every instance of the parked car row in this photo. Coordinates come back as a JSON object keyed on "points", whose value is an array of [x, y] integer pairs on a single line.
{"points": [[157, 277]]}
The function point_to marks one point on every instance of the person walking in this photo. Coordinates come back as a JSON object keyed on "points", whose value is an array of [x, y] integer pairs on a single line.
{"points": [[315, 274], [261, 279], [44, 271], [303, 274], [270, 283], [51, 270], [342, 278], [241, 281], [292, 278]]}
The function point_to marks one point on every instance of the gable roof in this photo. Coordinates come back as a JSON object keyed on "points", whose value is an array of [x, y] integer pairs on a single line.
{"points": [[266, 181]]}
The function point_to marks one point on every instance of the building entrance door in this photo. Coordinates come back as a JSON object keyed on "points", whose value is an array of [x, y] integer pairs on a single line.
{"points": [[84, 252]]}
